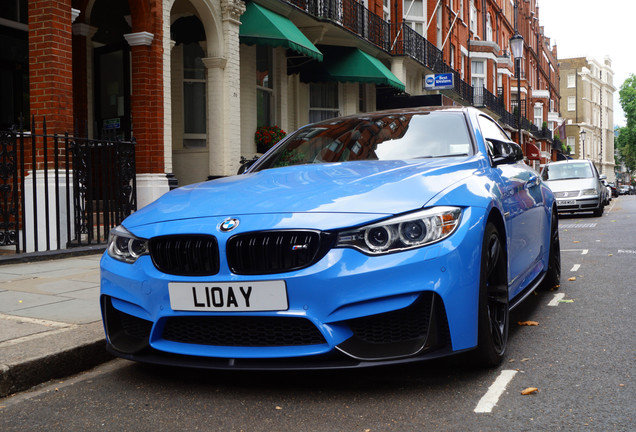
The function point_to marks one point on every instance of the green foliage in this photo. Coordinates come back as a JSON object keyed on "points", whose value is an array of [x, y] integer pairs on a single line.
{"points": [[626, 144], [626, 140]]}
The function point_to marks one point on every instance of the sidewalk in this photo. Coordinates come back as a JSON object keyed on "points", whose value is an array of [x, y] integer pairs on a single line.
{"points": [[50, 321]]}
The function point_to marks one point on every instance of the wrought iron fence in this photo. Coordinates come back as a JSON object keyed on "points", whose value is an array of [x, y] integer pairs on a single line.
{"points": [[61, 191]]}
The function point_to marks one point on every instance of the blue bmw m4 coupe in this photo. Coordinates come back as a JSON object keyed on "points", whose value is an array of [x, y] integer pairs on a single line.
{"points": [[366, 240]]}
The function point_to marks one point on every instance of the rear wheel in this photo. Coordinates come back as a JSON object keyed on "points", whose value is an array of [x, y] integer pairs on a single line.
{"points": [[493, 301], [552, 278]]}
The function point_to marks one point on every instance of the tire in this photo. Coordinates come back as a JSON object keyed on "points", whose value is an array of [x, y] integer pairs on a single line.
{"points": [[552, 277], [599, 211], [493, 313]]}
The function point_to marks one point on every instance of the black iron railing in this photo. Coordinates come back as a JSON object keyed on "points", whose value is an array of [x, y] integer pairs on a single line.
{"points": [[60, 191], [400, 39]]}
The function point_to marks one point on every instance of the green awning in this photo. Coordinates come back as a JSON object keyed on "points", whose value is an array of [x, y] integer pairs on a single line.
{"points": [[261, 26], [346, 64]]}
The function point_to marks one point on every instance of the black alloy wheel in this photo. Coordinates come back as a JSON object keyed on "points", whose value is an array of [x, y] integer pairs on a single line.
{"points": [[493, 301]]}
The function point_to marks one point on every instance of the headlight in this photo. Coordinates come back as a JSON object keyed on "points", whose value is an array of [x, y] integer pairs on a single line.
{"points": [[123, 246], [589, 192], [404, 232]]}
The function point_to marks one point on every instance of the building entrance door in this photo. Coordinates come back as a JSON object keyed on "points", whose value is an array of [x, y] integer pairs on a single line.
{"points": [[112, 93]]}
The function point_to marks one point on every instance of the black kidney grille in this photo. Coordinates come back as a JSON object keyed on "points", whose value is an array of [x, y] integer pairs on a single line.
{"points": [[397, 326], [185, 255], [273, 251], [242, 331]]}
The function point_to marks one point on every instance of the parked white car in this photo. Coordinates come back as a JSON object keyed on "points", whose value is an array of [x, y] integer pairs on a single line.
{"points": [[576, 185]]}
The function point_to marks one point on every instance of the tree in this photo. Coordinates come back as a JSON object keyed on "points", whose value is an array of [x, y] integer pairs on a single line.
{"points": [[626, 139]]}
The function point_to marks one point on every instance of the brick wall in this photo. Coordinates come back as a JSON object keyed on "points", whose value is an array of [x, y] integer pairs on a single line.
{"points": [[147, 103], [51, 63]]}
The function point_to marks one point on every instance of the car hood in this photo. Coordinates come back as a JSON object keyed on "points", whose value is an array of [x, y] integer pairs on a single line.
{"points": [[370, 187], [567, 185]]}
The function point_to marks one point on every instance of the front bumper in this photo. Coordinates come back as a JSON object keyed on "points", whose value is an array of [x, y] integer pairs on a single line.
{"points": [[347, 310], [565, 205]]}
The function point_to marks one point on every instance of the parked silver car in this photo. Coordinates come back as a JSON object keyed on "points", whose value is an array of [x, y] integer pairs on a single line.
{"points": [[576, 185]]}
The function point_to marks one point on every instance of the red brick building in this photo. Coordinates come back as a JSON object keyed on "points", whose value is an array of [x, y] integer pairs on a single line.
{"points": [[186, 80]]}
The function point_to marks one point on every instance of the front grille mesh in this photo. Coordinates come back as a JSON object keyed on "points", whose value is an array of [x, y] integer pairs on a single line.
{"points": [[273, 251], [242, 331], [185, 255], [135, 327]]}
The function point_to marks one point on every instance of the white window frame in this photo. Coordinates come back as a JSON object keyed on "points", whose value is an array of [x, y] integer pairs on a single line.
{"points": [[571, 81], [334, 110], [440, 28], [474, 76], [193, 136], [477, 75], [463, 67], [489, 29], [538, 115], [571, 103], [473, 17], [416, 22]]}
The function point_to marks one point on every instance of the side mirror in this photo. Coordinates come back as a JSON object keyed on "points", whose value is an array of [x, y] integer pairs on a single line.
{"points": [[503, 152], [245, 164], [602, 177]]}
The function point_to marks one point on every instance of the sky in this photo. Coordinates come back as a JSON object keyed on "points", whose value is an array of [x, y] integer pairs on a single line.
{"points": [[596, 29]]}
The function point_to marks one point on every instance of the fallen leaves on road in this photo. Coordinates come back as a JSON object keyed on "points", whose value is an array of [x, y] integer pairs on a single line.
{"points": [[573, 278], [529, 390], [566, 301], [576, 241], [528, 323]]}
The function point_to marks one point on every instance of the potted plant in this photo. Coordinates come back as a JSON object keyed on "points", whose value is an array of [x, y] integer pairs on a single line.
{"points": [[266, 136]]}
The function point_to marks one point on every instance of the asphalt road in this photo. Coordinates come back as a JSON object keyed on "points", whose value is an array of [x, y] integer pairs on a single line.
{"points": [[580, 357]]}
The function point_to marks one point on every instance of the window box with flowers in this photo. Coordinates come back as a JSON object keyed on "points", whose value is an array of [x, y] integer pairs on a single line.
{"points": [[266, 136]]}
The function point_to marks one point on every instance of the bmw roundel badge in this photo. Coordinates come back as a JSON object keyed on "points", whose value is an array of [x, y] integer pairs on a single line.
{"points": [[229, 224]]}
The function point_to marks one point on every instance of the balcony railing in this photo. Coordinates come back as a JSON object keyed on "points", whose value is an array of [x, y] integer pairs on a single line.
{"points": [[400, 39]]}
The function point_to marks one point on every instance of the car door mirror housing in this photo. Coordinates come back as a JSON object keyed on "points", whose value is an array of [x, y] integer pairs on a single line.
{"points": [[503, 152], [245, 164]]}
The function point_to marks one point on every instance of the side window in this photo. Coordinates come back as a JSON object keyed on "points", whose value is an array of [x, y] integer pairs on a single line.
{"points": [[492, 130]]}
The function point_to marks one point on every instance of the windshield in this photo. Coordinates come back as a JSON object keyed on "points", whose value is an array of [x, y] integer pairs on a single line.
{"points": [[567, 171], [385, 137]]}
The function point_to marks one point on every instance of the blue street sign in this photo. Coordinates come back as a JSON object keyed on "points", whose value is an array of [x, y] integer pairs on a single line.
{"points": [[443, 81]]}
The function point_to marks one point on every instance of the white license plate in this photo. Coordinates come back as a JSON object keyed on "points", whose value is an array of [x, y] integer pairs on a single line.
{"points": [[228, 296], [566, 202]]}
